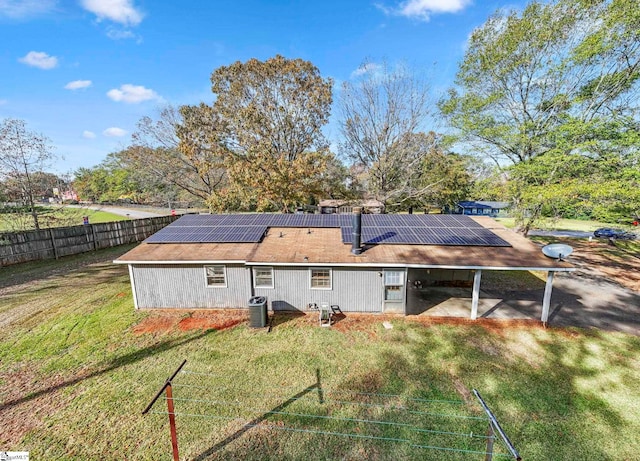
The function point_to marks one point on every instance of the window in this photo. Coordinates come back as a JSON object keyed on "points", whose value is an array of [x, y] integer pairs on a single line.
{"points": [[216, 276], [263, 277], [393, 293], [321, 279], [393, 285]]}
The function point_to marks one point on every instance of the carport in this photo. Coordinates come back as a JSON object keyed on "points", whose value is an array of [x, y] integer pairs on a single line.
{"points": [[429, 286]]}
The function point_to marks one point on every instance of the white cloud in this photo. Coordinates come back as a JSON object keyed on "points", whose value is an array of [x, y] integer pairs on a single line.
{"points": [[114, 132], [88, 134], [77, 85], [120, 11], [3, 102], [20, 9], [39, 59], [366, 68], [133, 94], [120, 34], [423, 9]]}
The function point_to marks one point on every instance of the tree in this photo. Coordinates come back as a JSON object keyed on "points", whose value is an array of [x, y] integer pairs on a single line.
{"points": [[444, 177], [557, 79], [182, 149], [22, 154], [271, 113], [42, 184], [380, 113]]}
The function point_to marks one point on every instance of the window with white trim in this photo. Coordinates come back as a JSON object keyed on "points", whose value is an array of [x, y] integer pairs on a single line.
{"points": [[393, 285], [216, 276], [321, 279], [263, 277]]}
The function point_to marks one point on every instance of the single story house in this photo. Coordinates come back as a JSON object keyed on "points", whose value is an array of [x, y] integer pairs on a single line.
{"points": [[481, 208], [362, 263], [333, 206]]}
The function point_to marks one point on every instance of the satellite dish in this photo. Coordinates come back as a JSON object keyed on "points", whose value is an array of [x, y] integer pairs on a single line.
{"points": [[557, 251]]}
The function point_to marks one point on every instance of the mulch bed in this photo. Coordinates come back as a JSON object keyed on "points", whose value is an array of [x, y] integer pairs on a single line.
{"points": [[166, 320]]}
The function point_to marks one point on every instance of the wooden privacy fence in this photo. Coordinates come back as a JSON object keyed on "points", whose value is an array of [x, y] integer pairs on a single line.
{"points": [[19, 247]]}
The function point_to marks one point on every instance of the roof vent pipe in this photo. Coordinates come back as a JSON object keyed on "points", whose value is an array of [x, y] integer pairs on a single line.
{"points": [[356, 225]]}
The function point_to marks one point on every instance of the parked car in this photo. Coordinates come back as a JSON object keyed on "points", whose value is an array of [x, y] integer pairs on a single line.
{"points": [[614, 233]]}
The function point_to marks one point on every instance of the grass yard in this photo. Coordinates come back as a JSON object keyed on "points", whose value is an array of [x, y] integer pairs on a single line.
{"points": [[55, 216], [564, 224], [78, 365]]}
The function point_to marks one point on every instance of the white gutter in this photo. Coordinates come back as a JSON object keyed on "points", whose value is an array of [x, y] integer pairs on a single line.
{"points": [[415, 266], [361, 265]]}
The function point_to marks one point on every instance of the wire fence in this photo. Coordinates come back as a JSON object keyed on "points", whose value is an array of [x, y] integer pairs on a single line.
{"points": [[445, 426]]}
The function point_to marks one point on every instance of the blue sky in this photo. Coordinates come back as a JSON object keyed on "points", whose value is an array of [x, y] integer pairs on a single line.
{"points": [[83, 72]]}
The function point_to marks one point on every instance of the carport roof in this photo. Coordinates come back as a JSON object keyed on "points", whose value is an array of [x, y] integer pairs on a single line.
{"points": [[324, 247]]}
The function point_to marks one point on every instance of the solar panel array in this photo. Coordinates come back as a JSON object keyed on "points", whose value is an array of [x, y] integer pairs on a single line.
{"points": [[376, 229]]}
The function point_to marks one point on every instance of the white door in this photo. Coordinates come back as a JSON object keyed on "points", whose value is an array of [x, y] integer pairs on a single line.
{"points": [[394, 290]]}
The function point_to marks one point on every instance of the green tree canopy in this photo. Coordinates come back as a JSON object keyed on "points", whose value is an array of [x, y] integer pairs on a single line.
{"points": [[558, 79]]}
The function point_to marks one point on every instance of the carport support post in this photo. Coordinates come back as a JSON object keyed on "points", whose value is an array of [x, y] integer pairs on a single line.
{"points": [[546, 301], [475, 296]]}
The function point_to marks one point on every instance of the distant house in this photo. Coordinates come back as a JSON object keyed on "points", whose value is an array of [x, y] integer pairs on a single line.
{"points": [[363, 263], [332, 206], [481, 208]]}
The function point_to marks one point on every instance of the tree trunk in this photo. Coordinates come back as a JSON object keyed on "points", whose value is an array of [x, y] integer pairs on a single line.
{"points": [[34, 215]]}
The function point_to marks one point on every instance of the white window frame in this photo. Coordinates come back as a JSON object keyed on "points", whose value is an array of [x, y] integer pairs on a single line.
{"points": [[395, 272], [224, 274], [255, 278], [330, 287]]}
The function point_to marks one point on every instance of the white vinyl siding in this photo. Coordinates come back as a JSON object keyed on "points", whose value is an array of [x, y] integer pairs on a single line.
{"points": [[321, 279], [216, 276], [263, 277]]}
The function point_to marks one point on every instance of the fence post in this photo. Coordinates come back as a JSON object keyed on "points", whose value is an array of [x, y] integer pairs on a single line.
{"points": [[53, 243], [172, 423], [491, 436], [495, 427], [95, 240], [172, 414]]}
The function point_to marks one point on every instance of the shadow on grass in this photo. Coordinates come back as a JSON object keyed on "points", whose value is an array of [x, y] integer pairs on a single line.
{"points": [[542, 385], [281, 317], [317, 386], [540, 404], [113, 364]]}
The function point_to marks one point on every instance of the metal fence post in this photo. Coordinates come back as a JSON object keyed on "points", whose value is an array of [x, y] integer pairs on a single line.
{"points": [[495, 427]]}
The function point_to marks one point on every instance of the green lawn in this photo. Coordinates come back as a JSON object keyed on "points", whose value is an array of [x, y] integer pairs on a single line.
{"points": [[564, 224], [54, 216], [74, 379]]}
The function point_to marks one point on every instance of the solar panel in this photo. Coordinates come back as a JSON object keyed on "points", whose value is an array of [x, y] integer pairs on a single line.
{"points": [[376, 229]]}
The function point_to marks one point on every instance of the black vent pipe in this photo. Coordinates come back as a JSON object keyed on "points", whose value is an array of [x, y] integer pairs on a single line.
{"points": [[356, 249]]}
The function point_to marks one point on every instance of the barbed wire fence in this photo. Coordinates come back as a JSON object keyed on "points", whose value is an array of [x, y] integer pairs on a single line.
{"points": [[444, 426]]}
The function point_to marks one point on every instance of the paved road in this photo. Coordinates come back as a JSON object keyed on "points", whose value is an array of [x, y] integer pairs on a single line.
{"points": [[133, 213]]}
